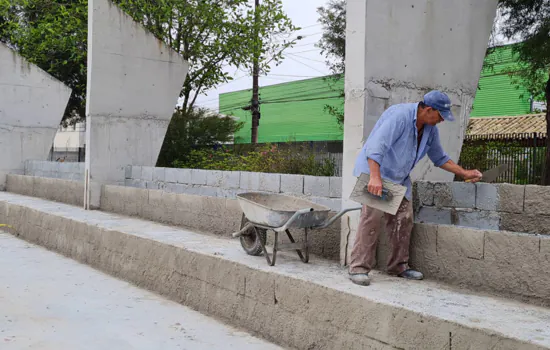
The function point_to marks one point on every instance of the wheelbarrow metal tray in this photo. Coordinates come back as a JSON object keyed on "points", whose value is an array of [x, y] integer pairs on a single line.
{"points": [[274, 210]]}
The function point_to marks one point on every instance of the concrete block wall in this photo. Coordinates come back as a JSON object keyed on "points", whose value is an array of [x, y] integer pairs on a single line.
{"points": [[57, 170], [208, 214], [214, 183], [58, 190], [505, 263], [516, 208]]}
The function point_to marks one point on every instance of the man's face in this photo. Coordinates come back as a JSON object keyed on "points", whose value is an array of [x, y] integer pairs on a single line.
{"points": [[433, 117]]}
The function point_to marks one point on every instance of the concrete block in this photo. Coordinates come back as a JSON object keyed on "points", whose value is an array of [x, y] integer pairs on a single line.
{"points": [[434, 215], [460, 241], [511, 198], [176, 188], [487, 197], [147, 173], [529, 223], [270, 182], [318, 186], [455, 195], [250, 181], [537, 199], [208, 191], [425, 191], [423, 248], [151, 185], [335, 187], [231, 179], [159, 174], [171, 175], [292, 183], [128, 172], [333, 203], [136, 172], [214, 178], [479, 219], [199, 176], [223, 179]]}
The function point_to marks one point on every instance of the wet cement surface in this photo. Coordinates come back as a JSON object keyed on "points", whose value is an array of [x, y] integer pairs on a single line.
{"points": [[50, 302]]}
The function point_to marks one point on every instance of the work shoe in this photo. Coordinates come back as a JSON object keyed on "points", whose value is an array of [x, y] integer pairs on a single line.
{"points": [[411, 274], [361, 279]]}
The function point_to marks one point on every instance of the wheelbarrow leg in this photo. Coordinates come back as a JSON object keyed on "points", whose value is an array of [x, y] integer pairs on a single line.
{"points": [[271, 262], [305, 247]]}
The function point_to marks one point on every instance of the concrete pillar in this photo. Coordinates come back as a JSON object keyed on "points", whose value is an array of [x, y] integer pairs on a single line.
{"points": [[134, 81], [32, 104], [396, 51]]}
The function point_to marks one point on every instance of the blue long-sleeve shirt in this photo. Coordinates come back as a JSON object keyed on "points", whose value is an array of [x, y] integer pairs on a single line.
{"points": [[393, 144]]}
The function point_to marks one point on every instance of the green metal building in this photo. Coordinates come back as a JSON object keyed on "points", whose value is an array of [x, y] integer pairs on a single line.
{"points": [[295, 111]]}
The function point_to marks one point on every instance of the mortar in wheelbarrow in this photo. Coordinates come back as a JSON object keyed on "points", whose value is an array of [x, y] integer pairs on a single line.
{"points": [[275, 210]]}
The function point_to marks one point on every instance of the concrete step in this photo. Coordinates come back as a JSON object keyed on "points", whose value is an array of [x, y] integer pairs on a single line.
{"points": [[304, 306]]}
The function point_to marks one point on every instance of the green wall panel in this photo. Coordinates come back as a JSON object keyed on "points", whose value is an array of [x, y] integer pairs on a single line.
{"points": [[295, 110]]}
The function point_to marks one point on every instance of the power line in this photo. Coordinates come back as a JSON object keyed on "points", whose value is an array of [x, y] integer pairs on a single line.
{"points": [[305, 58], [315, 69]]}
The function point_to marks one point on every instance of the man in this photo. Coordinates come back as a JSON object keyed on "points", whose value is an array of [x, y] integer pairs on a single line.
{"points": [[403, 135]]}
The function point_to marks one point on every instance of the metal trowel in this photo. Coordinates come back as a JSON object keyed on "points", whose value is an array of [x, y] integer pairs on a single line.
{"points": [[492, 174], [389, 202]]}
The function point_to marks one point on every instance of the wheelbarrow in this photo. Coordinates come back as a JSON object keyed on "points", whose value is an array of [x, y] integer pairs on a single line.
{"points": [[265, 212]]}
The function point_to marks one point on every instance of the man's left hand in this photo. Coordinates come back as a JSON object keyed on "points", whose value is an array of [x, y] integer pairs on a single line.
{"points": [[472, 175]]}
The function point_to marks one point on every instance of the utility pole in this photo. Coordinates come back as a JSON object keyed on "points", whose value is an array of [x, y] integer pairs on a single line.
{"points": [[255, 103]]}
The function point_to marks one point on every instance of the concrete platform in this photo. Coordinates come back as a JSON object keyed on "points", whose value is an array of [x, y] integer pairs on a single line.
{"points": [[49, 302], [311, 306]]}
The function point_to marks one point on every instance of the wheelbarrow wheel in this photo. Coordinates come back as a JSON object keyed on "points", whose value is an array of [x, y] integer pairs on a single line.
{"points": [[253, 242]]}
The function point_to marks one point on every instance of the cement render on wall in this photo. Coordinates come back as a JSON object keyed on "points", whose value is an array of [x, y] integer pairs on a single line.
{"points": [[32, 104], [134, 82], [211, 215], [506, 263], [390, 59], [58, 190], [296, 305]]}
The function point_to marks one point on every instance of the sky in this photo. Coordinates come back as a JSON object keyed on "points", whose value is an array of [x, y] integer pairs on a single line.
{"points": [[303, 61]]}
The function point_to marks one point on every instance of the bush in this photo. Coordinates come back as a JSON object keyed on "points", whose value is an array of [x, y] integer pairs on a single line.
{"points": [[194, 129], [265, 159]]}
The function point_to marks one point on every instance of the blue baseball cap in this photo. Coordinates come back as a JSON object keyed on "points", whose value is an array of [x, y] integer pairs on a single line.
{"points": [[441, 102]]}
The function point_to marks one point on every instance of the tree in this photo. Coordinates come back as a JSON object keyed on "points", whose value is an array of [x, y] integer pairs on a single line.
{"points": [[333, 46], [529, 21], [51, 34], [195, 128], [211, 35]]}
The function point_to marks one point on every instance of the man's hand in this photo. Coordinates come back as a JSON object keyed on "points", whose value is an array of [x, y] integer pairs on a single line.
{"points": [[472, 175], [467, 175], [375, 186], [375, 182]]}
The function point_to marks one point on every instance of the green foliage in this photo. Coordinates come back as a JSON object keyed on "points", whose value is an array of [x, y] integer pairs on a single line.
{"points": [[195, 128], [529, 22], [527, 162], [51, 34], [211, 35], [266, 159], [333, 46]]}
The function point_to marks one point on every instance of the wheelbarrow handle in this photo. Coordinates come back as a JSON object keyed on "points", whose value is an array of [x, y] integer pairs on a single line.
{"points": [[292, 219], [337, 216]]}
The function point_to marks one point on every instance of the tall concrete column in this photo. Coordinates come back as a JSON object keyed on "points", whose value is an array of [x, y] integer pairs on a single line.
{"points": [[134, 81], [32, 104], [396, 51]]}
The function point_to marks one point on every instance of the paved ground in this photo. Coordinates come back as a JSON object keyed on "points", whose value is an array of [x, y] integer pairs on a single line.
{"points": [[49, 302]]}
